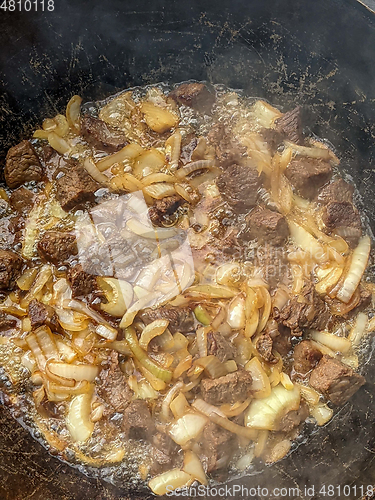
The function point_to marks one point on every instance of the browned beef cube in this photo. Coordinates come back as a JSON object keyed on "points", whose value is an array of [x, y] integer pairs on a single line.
{"points": [[42, 314], [75, 187], [306, 357], [181, 319], [239, 187], [308, 175], [335, 380], [194, 95], [217, 446], [265, 226], [137, 422], [227, 389], [307, 311], [57, 247], [273, 262], [164, 454], [220, 347], [228, 149], [290, 125], [81, 283], [22, 200], [10, 269], [338, 190], [112, 387], [6, 322], [102, 136], [22, 165], [293, 418], [273, 138], [264, 346], [161, 209], [344, 219]]}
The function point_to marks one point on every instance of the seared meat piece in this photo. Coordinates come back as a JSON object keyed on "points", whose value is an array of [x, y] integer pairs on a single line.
{"points": [[239, 187], [10, 269], [266, 226], [22, 165], [57, 247], [75, 187], [164, 207], [220, 347], [217, 445], [228, 149], [342, 218], [181, 319], [227, 389], [137, 422], [164, 454], [338, 190], [307, 311], [273, 262], [273, 138], [112, 387], [294, 418], [22, 200], [42, 314], [264, 347], [194, 95], [335, 380], [308, 175], [101, 135], [290, 126], [306, 357], [6, 323], [82, 283], [280, 336]]}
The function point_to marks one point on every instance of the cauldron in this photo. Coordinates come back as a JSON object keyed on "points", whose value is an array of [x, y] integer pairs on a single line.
{"points": [[319, 54]]}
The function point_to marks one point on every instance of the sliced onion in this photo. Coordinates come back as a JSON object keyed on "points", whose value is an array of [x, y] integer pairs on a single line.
{"points": [[25, 281], [182, 191], [156, 383], [83, 308], [219, 318], [265, 114], [62, 126], [71, 320], [169, 481], [233, 410], [322, 414], [65, 351], [334, 342], [329, 281], [307, 242], [212, 366], [151, 331], [211, 291], [266, 309], [37, 351], [168, 400], [183, 366], [193, 167], [143, 302], [157, 178], [73, 110], [311, 396], [58, 143], [43, 276], [187, 427], [266, 413], [78, 419], [107, 332], [126, 182], [251, 312], [260, 384], [149, 232], [159, 190], [149, 275], [179, 405], [129, 152], [357, 267], [228, 274], [192, 465], [173, 149], [202, 315], [119, 294], [201, 336], [286, 382], [313, 152], [73, 371], [94, 172], [324, 349], [47, 342], [358, 330]]}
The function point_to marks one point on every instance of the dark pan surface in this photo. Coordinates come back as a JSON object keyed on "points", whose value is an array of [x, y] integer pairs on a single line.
{"points": [[316, 53]]}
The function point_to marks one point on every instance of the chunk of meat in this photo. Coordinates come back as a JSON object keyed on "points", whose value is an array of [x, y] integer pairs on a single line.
{"points": [[81, 283], [75, 187], [228, 149], [112, 387], [290, 125], [164, 454], [194, 95], [265, 226], [227, 389], [280, 336], [306, 357], [42, 314], [305, 311], [239, 187], [101, 135], [293, 418], [273, 263], [335, 380], [273, 138], [342, 218], [181, 319], [137, 422], [10, 269], [338, 190], [22, 165], [6, 322], [163, 208], [22, 200], [220, 347], [217, 445], [308, 175], [264, 346], [57, 247]]}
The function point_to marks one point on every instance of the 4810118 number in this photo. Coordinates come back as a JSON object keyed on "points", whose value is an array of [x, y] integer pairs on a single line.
{"points": [[27, 5]]}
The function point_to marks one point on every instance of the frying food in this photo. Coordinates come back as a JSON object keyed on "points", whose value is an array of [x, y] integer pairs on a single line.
{"points": [[183, 282]]}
